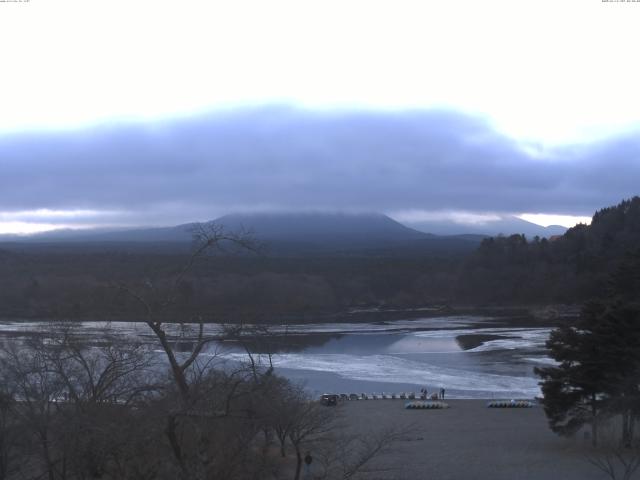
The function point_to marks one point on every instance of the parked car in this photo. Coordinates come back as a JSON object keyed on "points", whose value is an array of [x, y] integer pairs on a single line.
{"points": [[329, 399]]}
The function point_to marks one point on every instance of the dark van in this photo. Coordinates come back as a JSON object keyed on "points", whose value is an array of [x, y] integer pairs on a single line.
{"points": [[329, 399]]}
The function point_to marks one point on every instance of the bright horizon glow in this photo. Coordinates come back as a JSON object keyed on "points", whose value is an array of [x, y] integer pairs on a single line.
{"points": [[28, 222], [544, 71], [545, 220], [30, 228], [50, 213], [482, 219], [458, 217]]}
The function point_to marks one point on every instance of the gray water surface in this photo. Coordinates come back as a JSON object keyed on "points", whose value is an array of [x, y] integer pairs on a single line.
{"points": [[469, 356]]}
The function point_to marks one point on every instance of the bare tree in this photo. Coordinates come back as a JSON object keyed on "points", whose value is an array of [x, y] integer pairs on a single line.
{"points": [[208, 238], [186, 370], [347, 456], [338, 454], [256, 342], [619, 460], [73, 399], [100, 382], [309, 421], [38, 392], [114, 370], [10, 434]]}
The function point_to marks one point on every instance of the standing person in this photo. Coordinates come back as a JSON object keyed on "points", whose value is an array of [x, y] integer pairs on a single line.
{"points": [[307, 465], [442, 393]]}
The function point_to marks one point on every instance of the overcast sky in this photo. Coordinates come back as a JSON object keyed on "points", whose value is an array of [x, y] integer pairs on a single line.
{"points": [[126, 113]]}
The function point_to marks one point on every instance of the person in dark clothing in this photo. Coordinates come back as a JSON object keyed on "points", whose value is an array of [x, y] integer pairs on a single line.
{"points": [[307, 464], [442, 393]]}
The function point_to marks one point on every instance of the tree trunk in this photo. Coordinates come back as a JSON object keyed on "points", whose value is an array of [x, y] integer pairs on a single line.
{"points": [[282, 449], [170, 432], [178, 373], [626, 429], [594, 422], [44, 438], [282, 438], [298, 463]]}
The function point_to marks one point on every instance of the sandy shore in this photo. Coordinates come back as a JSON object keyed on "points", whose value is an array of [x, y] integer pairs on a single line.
{"points": [[471, 441]]}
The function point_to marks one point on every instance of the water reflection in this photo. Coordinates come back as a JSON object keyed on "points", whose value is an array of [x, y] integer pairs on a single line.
{"points": [[412, 344], [469, 356], [471, 341], [276, 343]]}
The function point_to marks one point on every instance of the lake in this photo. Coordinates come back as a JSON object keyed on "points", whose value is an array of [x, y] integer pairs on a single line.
{"points": [[470, 356]]}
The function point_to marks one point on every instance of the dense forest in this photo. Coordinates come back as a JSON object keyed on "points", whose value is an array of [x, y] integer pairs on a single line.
{"points": [[568, 269], [82, 283]]}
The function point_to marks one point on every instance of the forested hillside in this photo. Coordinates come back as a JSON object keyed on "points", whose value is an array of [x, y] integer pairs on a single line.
{"points": [[570, 268], [513, 270]]}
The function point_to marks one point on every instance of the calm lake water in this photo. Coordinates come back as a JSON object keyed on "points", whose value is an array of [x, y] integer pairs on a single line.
{"points": [[469, 356]]}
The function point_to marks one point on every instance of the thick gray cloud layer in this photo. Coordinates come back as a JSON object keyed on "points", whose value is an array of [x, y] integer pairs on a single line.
{"points": [[201, 167]]}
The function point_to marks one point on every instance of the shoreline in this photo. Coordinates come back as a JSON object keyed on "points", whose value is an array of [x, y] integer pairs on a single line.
{"points": [[523, 315]]}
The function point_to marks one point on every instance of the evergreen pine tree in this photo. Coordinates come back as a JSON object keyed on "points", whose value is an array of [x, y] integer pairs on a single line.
{"points": [[598, 371]]}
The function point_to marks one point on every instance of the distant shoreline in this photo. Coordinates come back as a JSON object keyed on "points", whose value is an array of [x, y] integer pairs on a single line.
{"points": [[524, 315]]}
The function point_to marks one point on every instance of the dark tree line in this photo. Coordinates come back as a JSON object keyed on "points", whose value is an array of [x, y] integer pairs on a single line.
{"points": [[261, 287], [598, 373], [572, 268]]}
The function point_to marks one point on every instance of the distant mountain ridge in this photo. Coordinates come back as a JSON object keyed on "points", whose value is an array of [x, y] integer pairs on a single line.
{"points": [[507, 225], [280, 233], [285, 232], [295, 227]]}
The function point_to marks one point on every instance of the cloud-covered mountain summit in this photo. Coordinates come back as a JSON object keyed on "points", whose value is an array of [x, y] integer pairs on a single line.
{"points": [[272, 233]]}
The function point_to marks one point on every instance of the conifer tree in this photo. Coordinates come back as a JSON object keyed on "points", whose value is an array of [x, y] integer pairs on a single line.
{"points": [[598, 371]]}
